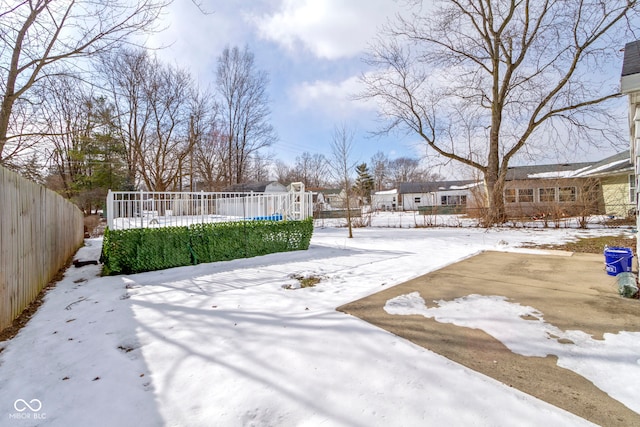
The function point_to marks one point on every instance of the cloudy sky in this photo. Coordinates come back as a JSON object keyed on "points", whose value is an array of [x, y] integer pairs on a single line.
{"points": [[312, 51]]}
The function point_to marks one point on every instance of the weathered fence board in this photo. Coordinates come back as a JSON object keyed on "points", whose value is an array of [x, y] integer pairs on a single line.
{"points": [[39, 232]]}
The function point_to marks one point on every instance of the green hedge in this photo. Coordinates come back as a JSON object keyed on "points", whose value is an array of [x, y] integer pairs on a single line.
{"points": [[147, 249]]}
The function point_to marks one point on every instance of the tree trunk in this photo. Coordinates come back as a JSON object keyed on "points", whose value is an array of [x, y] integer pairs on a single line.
{"points": [[495, 200], [5, 115]]}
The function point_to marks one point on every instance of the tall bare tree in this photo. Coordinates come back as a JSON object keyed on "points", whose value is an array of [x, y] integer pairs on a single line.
{"points": [[205, 159], [311, 169], [259, 167], [209, 159], [167, 144], [125, 73], [86, 159], [481, 80], [244, 110], [342, 165], [408, 169], [45, 37], [283, 173], [380, 169]]}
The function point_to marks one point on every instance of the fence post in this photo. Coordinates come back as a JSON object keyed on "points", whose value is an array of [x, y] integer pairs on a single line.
{"points": [[110, 209], [140, 212], [202, 204]]}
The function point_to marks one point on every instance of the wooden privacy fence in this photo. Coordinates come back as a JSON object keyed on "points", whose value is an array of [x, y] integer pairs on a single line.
{"points": [[39, 232]]}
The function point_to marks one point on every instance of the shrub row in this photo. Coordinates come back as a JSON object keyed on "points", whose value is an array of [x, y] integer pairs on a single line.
{"points": [[147, 249]]}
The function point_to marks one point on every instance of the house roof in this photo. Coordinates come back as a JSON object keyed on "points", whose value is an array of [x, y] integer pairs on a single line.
{"points": [[431, 187], [631, 62], [565, 170], [630, 79], [618, 163], [386, 192], [256, 187], [329, 191]]}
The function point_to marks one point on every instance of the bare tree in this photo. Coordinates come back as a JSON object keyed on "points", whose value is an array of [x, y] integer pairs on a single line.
{"points": [[259, 165], [405, 169], [209, 159], [244, 110], [86, 159], [342, 165], [125, 73], [69, 111], [380, 169], [283, 173], [481, 80], [45, 37], [205, 159], [310, 169], [167, 144]]}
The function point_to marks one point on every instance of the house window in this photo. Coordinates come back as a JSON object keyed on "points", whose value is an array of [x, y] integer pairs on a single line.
{"points": [[567, 194], [510, 195], [632, 188], [454, 200], [547, 194], [525, 195], [416, 200]]}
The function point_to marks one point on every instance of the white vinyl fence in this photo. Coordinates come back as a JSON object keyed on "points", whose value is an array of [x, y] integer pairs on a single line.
{"points": [[142, 209]]}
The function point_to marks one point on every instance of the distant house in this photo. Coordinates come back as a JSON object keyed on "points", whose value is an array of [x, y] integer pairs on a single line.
{"points": [[386, 200], [334, 204], [440, 197], [257, 187], [317, 198], [334, 198]]}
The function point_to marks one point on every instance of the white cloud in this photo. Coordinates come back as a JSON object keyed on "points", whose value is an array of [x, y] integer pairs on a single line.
{"points": [[334, 99], [330, 29]]}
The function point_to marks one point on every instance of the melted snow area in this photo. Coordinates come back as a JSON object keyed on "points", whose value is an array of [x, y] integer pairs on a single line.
{"points": [[523, 330]]}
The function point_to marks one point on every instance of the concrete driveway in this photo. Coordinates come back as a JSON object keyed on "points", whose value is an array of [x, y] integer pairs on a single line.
{"points": [[571, 290]]}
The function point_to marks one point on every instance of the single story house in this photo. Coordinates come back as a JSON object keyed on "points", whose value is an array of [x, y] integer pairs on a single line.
{"points": [[586, 188], [386, 200], [438, 197], [549, 190]]}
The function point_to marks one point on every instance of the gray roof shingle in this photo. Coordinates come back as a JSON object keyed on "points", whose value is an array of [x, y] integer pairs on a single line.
{"points": [[430, 187], [631, 62], [544, 171]]}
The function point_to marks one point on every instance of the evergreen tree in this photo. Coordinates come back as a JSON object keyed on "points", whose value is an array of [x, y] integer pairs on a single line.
{"points": [[364, 182]]}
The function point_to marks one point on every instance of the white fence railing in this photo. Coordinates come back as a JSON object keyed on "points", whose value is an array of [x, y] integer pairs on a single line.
{"points": [[142, 209]]}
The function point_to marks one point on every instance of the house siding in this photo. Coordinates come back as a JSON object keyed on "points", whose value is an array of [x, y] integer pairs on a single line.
{"points": [[615, 191], [385, 201]]}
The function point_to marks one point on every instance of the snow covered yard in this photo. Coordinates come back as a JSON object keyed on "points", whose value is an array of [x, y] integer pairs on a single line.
{"points": [[227, 344]]}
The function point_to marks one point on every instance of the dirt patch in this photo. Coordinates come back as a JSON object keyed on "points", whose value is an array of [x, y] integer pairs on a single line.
{"points": [[571, 291], [592, 245]]}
